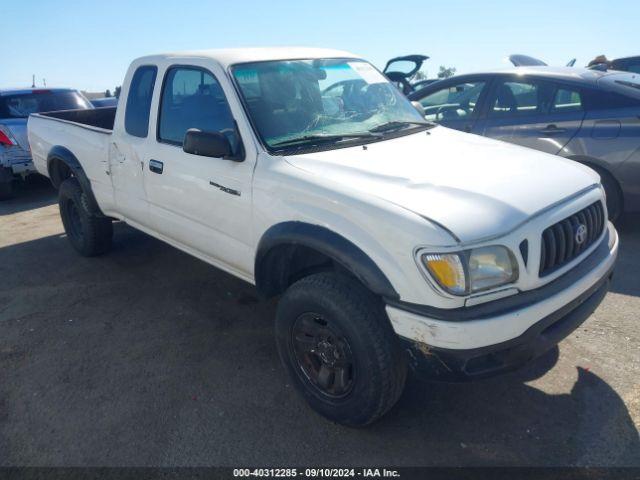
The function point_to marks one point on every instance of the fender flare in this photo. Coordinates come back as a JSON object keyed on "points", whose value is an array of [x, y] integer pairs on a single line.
{"points": [[325, 241], [65, 156]]}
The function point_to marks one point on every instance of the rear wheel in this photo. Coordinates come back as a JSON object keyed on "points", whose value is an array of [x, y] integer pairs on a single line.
{"points": [[339, 348], [89, 232]]}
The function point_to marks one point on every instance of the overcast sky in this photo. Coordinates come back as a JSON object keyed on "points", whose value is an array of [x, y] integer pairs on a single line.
{"points": [[88, 45]]}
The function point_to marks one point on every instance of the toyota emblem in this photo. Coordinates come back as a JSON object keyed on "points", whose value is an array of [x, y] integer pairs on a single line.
{"points": [[581, 234]]}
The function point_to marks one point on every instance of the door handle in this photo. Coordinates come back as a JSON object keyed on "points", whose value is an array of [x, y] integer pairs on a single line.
{"points": [[552, 130], [156, 166]]}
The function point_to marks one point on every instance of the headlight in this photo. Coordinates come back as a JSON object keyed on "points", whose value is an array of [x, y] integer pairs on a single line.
{"points": [[473, 270]]}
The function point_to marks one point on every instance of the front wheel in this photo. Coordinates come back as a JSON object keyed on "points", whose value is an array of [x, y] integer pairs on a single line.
{"points": [[614, 196], [338, 346], [89, 232]]}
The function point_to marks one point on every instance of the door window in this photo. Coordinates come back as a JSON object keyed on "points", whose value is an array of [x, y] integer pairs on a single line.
{"points": [[455, 102], [193, 98], [566, 100], [136, 119], [519, 99]]}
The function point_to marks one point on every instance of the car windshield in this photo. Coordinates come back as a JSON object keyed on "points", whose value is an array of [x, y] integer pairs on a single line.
{"points": [[323, 101], [22, 105]]}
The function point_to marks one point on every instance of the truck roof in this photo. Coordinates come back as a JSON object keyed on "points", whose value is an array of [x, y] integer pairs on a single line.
{"points": [[231, 56]]}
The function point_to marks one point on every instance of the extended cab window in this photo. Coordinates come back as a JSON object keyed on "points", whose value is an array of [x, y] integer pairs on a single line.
{"points": [[193, 98], [136, 120]]}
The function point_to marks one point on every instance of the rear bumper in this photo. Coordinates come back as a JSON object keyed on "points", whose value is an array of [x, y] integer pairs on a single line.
{"points": [[17, 160], [505, 340]]}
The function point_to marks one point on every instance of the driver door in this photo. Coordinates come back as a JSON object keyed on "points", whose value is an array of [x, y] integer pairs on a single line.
{"points": [[454, 103]]}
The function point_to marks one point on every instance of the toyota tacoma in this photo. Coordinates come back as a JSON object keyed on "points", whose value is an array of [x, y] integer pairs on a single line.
{"points": [[392, 243]]}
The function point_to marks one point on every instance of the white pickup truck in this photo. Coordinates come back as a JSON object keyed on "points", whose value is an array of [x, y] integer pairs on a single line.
{"points": [[391, 242]]}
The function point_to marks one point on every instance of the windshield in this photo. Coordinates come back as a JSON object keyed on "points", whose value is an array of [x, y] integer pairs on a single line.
{"points": [[22, 105], [299, 102]]}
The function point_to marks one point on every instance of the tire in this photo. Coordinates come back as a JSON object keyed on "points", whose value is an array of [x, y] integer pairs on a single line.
{"points": [[344, 329], [614, 195], [6, 190], [89, 232], [6, 183]]}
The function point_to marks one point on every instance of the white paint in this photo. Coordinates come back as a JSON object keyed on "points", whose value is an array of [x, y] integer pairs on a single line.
{"points": [[438, 191]]}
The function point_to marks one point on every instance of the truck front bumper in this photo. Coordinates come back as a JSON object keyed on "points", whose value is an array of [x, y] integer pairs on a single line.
{"points": [[507, 333]]}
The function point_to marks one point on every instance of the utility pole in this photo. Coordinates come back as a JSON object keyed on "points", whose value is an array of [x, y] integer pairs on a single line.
{"points": [[33, 81], [44, 82]]}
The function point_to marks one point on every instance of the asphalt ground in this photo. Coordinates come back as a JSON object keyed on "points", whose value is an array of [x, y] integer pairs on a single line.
{"points": [[149, 357]]}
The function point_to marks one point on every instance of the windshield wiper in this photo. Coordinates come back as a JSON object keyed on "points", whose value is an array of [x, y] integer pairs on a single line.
{"points": [[397, 125], [324, 138]]}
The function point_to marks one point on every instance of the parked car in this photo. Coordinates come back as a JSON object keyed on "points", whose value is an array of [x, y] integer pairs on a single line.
{"points": [[400, 71], [15, 106], [627, 64], [104, 102], [390, 241], [585, 115]]}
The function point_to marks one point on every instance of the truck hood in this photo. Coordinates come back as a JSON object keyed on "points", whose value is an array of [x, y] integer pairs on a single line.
{"points": [[474, 187]]}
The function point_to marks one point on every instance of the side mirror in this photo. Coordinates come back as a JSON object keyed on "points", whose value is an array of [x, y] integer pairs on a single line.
{"points": [[418, 106], [207, 144]]}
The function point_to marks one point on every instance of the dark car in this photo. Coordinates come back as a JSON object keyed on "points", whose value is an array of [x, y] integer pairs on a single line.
{"points": [[590, 116], [627, 64]]}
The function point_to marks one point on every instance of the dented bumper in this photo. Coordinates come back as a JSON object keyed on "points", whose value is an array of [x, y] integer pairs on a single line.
{"points": [[17, 160], [512, 334]]}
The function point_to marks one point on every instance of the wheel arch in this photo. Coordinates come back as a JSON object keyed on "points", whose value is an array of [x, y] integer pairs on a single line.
{"points": [[289, 251], [600, 167], [593, 162], [62, 164]]}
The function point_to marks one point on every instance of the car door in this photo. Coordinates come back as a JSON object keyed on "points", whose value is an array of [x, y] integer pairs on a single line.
{"points": [[129, 143], [201, 203], [454, 103], [534, 113]]}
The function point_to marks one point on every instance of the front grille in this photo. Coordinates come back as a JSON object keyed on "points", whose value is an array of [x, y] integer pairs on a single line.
{"points": [[568, 238]]}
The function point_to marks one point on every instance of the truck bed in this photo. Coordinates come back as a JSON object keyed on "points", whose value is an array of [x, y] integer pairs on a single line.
{"points": [[86, 135], [102, 118]]}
